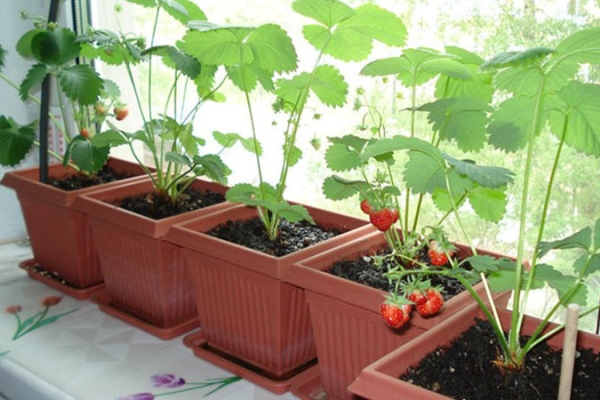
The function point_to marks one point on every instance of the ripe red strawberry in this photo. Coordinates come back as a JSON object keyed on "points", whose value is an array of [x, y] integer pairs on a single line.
{"points": [[395, 215], [382, 219], [417, 297], [433, 304], [85, 133], [121, 112], [365, 206], [437, 255], [394, 315]]}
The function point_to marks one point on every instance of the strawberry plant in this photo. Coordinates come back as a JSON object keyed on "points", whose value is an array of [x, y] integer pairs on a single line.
{"points": [[398, 172], [55, 51], [252, 56], [544, 101], [168, 132]]}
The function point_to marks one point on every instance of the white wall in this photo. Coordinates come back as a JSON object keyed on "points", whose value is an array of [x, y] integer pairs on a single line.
{"points": [[12, 26]]}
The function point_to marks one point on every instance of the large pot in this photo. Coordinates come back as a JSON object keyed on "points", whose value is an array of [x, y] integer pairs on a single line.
{"points": [[349, 330], [253, 323], [64, 253], [146, 283]]}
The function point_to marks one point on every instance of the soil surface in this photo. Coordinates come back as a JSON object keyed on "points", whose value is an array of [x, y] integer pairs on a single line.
{"points": [[464, 370], [154, 206], [292, 236], [364, 271], [81, 181]]}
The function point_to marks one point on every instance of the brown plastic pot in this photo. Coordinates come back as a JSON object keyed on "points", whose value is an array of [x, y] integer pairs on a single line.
{"points": [[349, 331], [380, 379], [146, 283], [256, 324], [59, 235]]}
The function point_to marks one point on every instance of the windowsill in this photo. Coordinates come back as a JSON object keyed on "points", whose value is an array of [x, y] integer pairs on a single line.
{"points": [[89, 355]]}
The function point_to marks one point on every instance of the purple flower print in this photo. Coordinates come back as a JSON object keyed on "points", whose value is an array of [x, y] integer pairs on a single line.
{"points": [[167, 381], [137, 396]]}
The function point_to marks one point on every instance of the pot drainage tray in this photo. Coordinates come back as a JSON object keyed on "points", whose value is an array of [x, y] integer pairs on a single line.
{"points": [[38, 273]]}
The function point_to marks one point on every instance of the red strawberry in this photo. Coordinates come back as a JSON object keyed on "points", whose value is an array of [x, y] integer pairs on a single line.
{"points": [[417, 297], [394, 315], [395, 215], [121, 112], [365, 206], [382, 219], [433, 304], [85, 133], [438, 256]]}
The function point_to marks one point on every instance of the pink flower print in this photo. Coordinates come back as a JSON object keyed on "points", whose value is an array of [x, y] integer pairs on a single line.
{"points": [[137, 396], [13, 309], [167, 381]]}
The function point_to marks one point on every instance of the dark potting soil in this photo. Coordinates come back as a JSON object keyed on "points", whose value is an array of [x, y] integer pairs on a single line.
{"points": [[81, 181], [364, 271], [464, 370], [292, 236], [155, 206]]}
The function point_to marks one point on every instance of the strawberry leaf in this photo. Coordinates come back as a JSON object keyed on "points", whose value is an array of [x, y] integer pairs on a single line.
{"points": [[212, 166], [532, 56], [561, 283], [81, 83], [24, 44], [338, 188], [579, 240], [417, 66], [85, 155], [109, 138], [340, 157], [487, 176], [424, 174], [15, 140], [2, 57], [489, 204], [228, 140], [176, 59], [348, 34], [55, 47], [510, 124], [483, 264], [215, 45], [579, 117], [183, 10], [291, 213], [327, 84], [34, 78], [461, 119], [479, 86], [272, 48]]}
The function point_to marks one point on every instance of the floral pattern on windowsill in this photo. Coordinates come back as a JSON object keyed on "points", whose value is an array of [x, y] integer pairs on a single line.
{"points": [[172, 381]]}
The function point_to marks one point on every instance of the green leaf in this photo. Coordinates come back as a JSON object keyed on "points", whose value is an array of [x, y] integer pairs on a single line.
{"points": [[183, 10], [55, 47], [484, 264], [228, 140], [582, 47], [510, 124], [241, 193], [487, 176], [423, 174], [144, 3], [462, 119], [294, 155], [527, 57], [326, 12], [417, 66], [338, 188], [87, 156], [24, 43], [109, 138], [340, 157], [292, 213], [327, 84], [15, 140], [205, 81], [177, 59], [459, 186], [2, 57], [479, 86], [272, 48], [178, 158], [561, 283], [34, 78], [597, 235], [580, 117], [212, 167], [111, 89], [503, 279], [489, 204], [81, 83], [579, 240], [388, 145], [218, 46]]}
